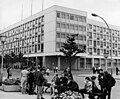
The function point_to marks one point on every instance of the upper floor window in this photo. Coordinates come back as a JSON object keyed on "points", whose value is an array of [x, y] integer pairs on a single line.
{"points": [[58, 14], [71, 17], [63, 15]]}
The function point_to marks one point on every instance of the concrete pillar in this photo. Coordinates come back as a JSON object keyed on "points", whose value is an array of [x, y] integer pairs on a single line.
{"points": [[85, 63], [59, 63], [93, 62], [100, 62], [36, 61], [43, 61]]}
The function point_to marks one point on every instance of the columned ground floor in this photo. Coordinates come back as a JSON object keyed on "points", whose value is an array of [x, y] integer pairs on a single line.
{"points": [[78, 62]]}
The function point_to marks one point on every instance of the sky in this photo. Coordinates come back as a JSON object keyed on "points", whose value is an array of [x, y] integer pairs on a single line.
{"points": [[10, 10]]}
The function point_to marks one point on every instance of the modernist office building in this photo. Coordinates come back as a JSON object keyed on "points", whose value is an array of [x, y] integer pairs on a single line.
{"points": [[41, 36]]}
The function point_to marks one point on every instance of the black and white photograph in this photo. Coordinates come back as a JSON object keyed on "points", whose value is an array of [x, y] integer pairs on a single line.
{"points": [[59, 49]]}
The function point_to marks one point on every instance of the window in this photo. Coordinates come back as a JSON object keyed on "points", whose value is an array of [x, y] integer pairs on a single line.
{"points": [[94, 35], [58, 35], [71, 17], [42, 47], [58, 14], [76, 27], [67, 16], [67, 26], [76, 18], [89, 42], [62, 25], [63, 15], [38, 47], [71, 26], [58, 25], [58, 46], [62, 35]]}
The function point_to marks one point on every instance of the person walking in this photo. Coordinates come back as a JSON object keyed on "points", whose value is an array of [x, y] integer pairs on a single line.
{"points": [[39, 82]]}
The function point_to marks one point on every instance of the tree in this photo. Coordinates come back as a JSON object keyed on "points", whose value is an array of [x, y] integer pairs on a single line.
{"points": [[70, 49]]}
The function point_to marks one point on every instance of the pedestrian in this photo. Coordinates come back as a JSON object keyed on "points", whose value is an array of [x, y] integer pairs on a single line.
{"points": [[9, 72], [101, 80], [110, 82], [47, 71], [30, 82], [94, 70], [23, 77], [39, 82], [56, 69], [117, 70]]}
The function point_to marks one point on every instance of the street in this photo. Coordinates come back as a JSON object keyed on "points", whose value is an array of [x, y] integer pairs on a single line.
{"points": [[77, 77]]}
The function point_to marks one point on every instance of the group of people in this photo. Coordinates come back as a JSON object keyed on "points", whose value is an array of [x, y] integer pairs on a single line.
{"points": [[33, 82], [66, 82]]}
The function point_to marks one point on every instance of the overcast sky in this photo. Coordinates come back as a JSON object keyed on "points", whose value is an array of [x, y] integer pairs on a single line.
{"points": [[10, 10]]}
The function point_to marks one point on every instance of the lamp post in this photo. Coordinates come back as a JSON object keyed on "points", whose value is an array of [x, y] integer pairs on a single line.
{"points": [[95, 15], [106, 55], [2, 39]]}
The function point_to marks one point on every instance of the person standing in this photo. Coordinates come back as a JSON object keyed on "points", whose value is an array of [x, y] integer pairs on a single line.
{"points": [[23, 76], [9, 72], [117, 70], [30, 82], [56, 69], [110, 82], [39, 82]]}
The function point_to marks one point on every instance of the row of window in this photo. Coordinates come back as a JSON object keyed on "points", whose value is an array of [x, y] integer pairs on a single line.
{"points": [[103, 29], [26, 26], [103, 44], [27, 49], [65, 35], [71, 26], [102, 51], [69, 16]]}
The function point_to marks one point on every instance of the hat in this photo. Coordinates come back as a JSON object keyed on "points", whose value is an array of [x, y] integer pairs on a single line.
{"points": [[93, 77]]}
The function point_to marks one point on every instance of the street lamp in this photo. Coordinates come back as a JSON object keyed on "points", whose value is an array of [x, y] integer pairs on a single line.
{"points": [[106, 55], [95, 15], [2, 39]]}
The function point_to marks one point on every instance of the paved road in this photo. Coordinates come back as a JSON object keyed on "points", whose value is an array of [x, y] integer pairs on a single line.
{"points": [[78, 77]]}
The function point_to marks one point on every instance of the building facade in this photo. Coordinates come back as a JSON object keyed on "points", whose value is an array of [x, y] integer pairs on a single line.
{"points": [[40, 37]]}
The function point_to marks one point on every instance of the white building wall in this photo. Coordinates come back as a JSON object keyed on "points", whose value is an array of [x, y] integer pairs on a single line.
{"points": [[50, 32]]}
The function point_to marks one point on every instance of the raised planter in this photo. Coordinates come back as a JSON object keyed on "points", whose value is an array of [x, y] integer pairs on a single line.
{"points": [[11, 88]]}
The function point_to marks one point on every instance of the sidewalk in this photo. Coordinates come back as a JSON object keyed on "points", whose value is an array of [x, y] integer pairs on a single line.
{"points": [[19, 95]]}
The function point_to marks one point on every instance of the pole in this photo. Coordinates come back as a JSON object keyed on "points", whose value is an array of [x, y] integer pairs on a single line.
{"points": [[42, 4], [2, 59], [106, 64], [31, 6], [95, 15]]}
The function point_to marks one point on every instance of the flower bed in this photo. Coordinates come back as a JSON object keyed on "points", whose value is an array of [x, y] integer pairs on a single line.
{"points": [[11, 85], [68, 95], [13, 81]]}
